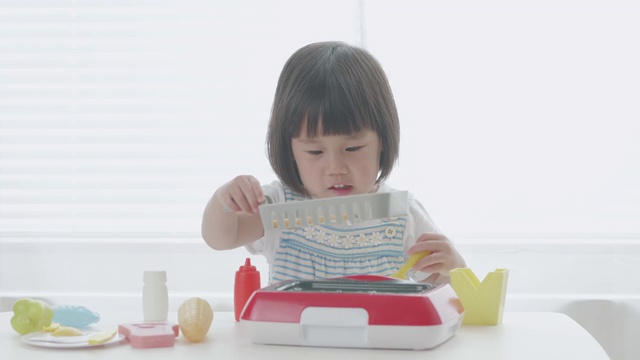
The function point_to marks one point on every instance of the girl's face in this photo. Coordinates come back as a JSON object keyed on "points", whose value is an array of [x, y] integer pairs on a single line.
{"points": [[337, 165]]}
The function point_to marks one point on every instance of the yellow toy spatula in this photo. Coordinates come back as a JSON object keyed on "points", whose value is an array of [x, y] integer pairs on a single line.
{"points": [[404, 269]]}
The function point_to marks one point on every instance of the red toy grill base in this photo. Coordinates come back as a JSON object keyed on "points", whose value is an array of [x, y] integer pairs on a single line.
{"points": [[357, 311]]}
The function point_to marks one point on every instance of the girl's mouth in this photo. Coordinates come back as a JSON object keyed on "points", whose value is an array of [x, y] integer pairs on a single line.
{"points": [[341, 190]]}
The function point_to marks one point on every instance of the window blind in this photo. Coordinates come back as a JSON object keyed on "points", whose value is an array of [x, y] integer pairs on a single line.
{"points": [[100, 129], [118, 119]]}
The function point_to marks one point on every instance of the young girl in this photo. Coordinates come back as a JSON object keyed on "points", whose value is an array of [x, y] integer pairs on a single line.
{"points": [[334, 131]]}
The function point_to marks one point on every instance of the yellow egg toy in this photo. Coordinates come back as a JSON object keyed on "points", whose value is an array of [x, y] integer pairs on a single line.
{"points": [[194, 317]]}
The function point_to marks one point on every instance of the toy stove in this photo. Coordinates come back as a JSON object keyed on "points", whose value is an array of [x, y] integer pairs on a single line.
{"points": [[363, 311]]}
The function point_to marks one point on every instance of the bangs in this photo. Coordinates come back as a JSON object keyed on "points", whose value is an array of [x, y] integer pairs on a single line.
{"points": [[336, 115]]}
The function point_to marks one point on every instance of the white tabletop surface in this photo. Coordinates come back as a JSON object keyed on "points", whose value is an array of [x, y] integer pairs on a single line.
{"points": [[534, 335]]}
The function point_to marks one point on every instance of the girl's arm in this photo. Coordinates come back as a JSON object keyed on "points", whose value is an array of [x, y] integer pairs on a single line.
{"points": [[239, 224]]}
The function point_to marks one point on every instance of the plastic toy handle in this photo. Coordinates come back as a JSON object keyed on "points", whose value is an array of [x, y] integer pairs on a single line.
{"points": [[404, 269]]}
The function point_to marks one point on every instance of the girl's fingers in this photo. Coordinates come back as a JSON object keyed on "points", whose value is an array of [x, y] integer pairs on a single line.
{"points": [[252, 194], [243, 193], [257, 191], [433, 246]]}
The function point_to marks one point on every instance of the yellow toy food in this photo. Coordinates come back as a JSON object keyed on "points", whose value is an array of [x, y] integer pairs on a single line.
{"points": [[102, 337], [66, 331], [58, 330], [194, 317], [51, 328], [402, 272]]}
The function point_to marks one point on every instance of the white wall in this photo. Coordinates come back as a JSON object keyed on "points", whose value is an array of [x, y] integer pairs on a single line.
{"points": [[520, 135]]}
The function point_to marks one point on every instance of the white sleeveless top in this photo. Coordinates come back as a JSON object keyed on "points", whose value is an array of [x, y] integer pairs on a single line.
{"points": [[376, 247]]}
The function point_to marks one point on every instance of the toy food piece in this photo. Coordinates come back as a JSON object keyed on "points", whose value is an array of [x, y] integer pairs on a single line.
{"points": [[51, 328], [74, 315], [57, 330], [30, 315], [66, 331], [194, 317], [404, 269], [102, 337], [150, 335]]}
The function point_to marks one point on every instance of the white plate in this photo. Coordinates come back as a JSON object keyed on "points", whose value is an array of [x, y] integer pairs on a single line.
{"points": [[45, 339]]}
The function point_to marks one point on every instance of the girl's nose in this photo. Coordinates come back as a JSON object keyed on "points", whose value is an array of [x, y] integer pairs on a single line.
{"points": [[336, 165]]}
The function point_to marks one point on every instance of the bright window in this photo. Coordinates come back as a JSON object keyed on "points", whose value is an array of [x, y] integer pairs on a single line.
{"points": [[118, 119]]}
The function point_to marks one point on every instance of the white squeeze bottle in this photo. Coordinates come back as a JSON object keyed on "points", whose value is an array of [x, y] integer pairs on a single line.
{"points": [[155, 296]]}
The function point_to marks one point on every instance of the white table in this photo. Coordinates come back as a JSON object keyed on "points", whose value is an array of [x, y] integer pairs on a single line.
{"points": [[521, 336]]}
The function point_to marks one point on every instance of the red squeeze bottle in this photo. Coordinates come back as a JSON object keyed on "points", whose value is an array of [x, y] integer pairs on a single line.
{"points": [[247, 281]]}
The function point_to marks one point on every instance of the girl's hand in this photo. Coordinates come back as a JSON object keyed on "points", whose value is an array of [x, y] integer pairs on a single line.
{"points": [[242, 194], [443, 255]]}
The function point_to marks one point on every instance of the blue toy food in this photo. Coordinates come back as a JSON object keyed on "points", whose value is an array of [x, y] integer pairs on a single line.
{"points": [[74, 315]]}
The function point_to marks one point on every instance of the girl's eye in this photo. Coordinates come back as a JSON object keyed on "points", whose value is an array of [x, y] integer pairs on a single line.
{"points": [[354, 148], [315, 152]]}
